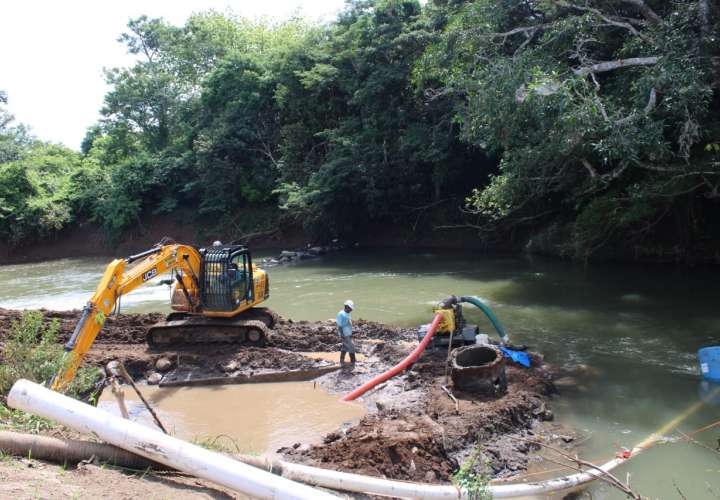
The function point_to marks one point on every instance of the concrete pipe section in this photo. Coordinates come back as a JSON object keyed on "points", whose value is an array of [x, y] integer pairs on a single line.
{"points": [[480, 369]]}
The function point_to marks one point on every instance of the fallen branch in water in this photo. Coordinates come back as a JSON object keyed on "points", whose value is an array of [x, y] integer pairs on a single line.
{"points": [[692, 440], [115, 367], [602, 478], [706, 428], [604, 475], [677, 488]]}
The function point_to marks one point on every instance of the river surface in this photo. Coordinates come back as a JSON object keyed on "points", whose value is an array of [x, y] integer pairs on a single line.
{"points": [[633, 330]]}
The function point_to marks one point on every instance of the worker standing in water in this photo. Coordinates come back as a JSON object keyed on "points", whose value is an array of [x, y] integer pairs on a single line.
{"points": [[344, 325]]}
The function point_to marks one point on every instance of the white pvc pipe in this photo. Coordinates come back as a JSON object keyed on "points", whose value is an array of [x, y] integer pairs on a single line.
{"points": [[357, 483], [154, 445], [376, 486]]}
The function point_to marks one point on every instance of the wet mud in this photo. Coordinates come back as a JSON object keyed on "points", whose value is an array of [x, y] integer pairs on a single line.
{"points": [[413, 429]]}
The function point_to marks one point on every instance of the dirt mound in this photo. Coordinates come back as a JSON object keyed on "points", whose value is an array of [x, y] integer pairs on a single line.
{"points": [[394, 445], [122, 329], [243, 360], [494, 424], [419, 433], [123, 338], [322, 335], [304, 336], [290, 335]]}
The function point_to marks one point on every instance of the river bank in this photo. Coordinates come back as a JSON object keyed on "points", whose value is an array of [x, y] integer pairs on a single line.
{"points": [[89, 240], [412, 430], [552, 241]]}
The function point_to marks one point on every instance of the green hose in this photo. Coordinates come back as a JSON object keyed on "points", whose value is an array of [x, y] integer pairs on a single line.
{"points": [[490, 315]]}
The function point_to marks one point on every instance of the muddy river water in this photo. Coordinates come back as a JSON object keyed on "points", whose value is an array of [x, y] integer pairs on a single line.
{"points": [[246, 418], [631, 332]]}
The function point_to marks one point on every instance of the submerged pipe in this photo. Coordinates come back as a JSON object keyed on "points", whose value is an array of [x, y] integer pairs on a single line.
{"points": [[154, 445], [402, 365]]}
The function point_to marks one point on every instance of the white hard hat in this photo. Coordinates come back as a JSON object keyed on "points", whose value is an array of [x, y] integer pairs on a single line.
{"points": [[217, 243], [350, 304]]}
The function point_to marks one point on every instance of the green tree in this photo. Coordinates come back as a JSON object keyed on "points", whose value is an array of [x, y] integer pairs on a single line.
{"points": [[13, 138], [601, 100], [378, 146], [35, 194]]}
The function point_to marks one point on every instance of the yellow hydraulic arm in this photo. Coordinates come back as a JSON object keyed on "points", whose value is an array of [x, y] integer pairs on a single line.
{"points": [[116, 282]]}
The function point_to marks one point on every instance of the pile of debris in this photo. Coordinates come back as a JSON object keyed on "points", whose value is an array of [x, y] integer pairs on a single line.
{"points": [[310, 252]]}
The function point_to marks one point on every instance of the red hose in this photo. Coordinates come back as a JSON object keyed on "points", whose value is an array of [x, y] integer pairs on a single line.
{"points": [[402, 365]]}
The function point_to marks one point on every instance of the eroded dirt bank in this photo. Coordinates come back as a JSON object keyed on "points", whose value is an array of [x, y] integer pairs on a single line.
{"points": [[413, 429]]}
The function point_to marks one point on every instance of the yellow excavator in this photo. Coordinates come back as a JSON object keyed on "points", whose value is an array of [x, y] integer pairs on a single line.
{"points": [[214, 297]]}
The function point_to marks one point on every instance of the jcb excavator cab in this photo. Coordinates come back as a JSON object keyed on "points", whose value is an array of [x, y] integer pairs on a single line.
{"points": [[228, 283], [226, 278]]}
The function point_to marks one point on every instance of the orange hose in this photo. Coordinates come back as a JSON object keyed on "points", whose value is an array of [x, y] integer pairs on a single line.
{"points": [[402, 365]]}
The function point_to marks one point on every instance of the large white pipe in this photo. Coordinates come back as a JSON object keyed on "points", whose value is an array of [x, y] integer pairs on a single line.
{"points": [[154, 445], [357, 483]]}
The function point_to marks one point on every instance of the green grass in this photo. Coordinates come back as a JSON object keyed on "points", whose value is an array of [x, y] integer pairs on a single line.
{"points": [[33, 351], [476, 485], [19, 421], [221, 443]]}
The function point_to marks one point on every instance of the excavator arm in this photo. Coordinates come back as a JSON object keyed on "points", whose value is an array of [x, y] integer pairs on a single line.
{"points": [[122, 277]]}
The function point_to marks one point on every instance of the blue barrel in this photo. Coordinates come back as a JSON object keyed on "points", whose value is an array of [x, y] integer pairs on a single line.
{"points": [[709, 358]]}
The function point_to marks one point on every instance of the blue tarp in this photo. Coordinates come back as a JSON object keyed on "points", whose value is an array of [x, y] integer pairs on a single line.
{"points": [[519, 357]]}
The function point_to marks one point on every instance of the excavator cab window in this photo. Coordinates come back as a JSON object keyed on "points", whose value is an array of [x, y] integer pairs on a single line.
{"points": [[239, 270], [226, 278]]}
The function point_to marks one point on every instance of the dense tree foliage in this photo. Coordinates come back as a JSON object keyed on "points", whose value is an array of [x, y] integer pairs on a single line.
{"points": [[36, 183], [601, 112], [378, 145], [596, 117]]}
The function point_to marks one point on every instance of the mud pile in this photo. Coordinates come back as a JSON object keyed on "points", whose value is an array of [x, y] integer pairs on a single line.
{"points": [[314, 336], [122, 329], [415, 418], [391, 445]]}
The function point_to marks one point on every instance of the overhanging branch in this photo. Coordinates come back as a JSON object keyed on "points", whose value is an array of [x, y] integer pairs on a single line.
{"points": [[611, 20], [528, 31], [606, 66]]}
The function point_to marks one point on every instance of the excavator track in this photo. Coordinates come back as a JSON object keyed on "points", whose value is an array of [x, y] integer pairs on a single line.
{"points": [[251, 328]]}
